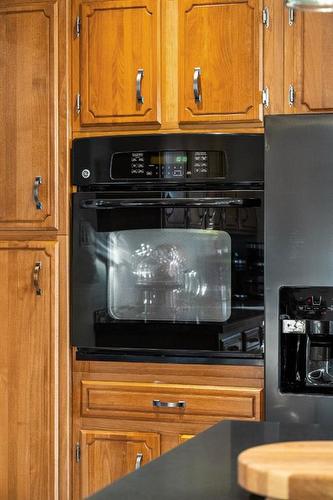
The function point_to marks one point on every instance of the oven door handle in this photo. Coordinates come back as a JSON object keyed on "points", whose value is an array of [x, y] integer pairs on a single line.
{"points": [[109, 204]]}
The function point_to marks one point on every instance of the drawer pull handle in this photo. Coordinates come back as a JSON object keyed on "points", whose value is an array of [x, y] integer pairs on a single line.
{"points": [[196, 85], [139, 96], [37, 183], [169, 404], [37, 268], [138, 461]]}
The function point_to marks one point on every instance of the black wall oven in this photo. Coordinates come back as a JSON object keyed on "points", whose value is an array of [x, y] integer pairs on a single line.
{"points": [[167, 248]]}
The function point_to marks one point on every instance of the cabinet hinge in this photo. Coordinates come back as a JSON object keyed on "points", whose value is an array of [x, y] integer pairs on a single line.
{"points": [[291, 95], [77, 452], [291, 16], [265, 17], [78, 103], [77, 26], [265, 97]]}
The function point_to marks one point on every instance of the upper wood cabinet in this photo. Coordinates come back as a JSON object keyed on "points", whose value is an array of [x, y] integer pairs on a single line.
{"points": [[29, 143], [108, 455], [119, 62], [308, 62], [220, 61], [297, 67], [28, 371], [161, 50]]}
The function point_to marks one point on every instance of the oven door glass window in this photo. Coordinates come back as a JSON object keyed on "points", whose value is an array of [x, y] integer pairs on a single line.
{"points": [[169, 275]]}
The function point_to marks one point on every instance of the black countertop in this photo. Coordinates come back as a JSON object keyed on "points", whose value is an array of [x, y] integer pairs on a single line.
{"points": [[205, 467]]}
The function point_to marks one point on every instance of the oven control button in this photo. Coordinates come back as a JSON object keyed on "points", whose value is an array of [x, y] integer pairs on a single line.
{"points": [[85, 173]]}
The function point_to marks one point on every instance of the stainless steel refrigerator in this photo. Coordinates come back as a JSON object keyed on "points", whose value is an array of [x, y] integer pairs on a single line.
{"points": [[299, 268]]}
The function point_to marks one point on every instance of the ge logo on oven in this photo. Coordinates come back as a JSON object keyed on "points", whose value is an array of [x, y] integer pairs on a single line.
{"points": [[85, 173]]}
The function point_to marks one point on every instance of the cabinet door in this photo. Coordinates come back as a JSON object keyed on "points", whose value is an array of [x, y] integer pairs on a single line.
{"points": [[28, 372], [119, 62], [220, 61], [109, 455], [28, 116], [308, 62]]}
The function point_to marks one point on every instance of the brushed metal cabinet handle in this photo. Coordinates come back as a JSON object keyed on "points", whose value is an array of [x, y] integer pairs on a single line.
{"points": [[36, 275], [37, 183], [168, 404], [138, 461], [139, 96], [196, 84]]}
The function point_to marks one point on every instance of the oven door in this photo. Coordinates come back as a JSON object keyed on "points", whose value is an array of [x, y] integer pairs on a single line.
{"points": [[155, 270]]}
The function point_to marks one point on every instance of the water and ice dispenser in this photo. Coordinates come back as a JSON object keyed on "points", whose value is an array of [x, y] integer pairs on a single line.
{"points": [[306, 335]]}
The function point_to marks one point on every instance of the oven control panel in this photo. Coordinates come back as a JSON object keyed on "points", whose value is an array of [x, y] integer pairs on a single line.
{"points": [[168, 165]]}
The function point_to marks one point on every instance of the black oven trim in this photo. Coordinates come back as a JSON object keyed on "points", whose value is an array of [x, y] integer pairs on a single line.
{"points": [[165, 356]]}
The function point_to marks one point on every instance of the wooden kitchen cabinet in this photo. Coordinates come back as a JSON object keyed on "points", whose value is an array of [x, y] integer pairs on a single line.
{"points": [[115, 417], [308, 62], [167, 39], [29, 143], [105, 456], [119, 62], [298, 53], [220, 61], [28, 371], [212, 64], [34, 182]]}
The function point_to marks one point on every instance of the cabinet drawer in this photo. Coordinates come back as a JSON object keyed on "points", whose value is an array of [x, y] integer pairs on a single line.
{"points": [[169, 402]]}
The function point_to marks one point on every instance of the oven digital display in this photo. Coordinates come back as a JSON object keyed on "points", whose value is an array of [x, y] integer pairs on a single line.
{"points": [[169, 165]]}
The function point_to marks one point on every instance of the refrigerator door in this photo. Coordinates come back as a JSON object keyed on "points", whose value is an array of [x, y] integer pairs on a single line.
{"points": [[298, 240]]}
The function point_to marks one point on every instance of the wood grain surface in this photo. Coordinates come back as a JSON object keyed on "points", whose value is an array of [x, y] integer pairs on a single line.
{"points": [[119, 37], [28, 372], [108, 455], [297, 470], [224, 39], [116, 397], [206, 404], [307, 55], [28, 111]]}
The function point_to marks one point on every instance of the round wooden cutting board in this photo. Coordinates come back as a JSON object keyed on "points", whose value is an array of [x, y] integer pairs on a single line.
{"points": [[296, 470]]}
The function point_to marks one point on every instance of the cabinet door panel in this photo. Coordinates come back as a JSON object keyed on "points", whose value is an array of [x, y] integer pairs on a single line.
{"points": [[108, 455], [28, 111], [308, 64], [317, 64], [118, 39], [224, 39], [28, 452]]}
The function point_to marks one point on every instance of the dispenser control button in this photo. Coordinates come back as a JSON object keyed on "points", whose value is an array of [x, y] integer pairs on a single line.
{"points": [[293, 326], [316, 300]]}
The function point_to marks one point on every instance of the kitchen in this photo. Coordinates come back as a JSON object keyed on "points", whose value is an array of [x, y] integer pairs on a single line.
{"points": [[75, 73]]}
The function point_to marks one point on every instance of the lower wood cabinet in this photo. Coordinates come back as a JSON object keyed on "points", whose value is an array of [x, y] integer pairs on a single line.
{"points": [[108, 455], [28, 371], [126, 414]]}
